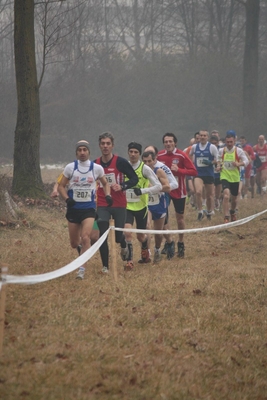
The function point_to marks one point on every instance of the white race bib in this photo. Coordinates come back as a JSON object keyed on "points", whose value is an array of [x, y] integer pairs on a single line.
{"points": [[82, 194], [153, 199], [110, 178], [228, 165], [131, 196], [262, 158], [200, 161]]}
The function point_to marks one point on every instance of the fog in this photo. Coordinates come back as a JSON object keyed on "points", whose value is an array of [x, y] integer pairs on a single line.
{"points": [[136, 68]]}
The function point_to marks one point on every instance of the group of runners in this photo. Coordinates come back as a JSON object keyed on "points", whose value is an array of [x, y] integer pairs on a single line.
{"points": [[139, 191], [227, 170]]}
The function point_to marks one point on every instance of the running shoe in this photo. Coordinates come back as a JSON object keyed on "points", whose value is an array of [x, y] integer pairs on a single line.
{"points": [[200, 216], [180, 249], [129, 266], [233, 217], [145, 256], [105, 270], [124, 253], [170, 250], [81, 272], [157, 256], [164, 250]]}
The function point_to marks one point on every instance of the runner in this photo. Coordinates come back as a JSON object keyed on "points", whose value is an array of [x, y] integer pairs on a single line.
{"points": [[180, 165], [116, 169], [248, 170], [137, 203], [157, 203], [232, 157], [81, 176], [261, 174], [205, 157], [169, 246], [217, 181]]}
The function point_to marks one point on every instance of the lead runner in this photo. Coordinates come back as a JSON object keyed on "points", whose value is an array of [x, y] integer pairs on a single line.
{"points": [[81, 176]]}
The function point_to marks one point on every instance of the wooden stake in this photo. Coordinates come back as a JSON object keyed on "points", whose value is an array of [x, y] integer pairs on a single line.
{"points": [[113, 248], [2, 310]]}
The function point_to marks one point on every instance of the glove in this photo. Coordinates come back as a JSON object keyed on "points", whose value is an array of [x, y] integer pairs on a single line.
{"points": [[137, 191], [109, 200], [206, 162], [70, 202]]}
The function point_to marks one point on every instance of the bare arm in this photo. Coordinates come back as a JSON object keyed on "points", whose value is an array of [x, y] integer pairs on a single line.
{"points": [[163, 180]]}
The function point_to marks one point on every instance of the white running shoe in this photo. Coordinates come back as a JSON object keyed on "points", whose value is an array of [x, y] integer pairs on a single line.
{"points": [[157, 256], [81, 272], [105, 270]]}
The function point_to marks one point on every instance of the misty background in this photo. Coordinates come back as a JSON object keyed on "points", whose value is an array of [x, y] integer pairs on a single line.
{"points": [[136, 68]]}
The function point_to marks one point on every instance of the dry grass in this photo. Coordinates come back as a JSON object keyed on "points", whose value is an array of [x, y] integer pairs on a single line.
{"points": [[183, 329]]}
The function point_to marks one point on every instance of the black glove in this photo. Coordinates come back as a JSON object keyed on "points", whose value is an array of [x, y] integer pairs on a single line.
{"points": [[207, 162], [109, 200], [137, 191], [70, 202]]}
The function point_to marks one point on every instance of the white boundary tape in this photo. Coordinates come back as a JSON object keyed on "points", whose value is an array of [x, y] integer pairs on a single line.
{"points": [[208, 228], [32, 279]]}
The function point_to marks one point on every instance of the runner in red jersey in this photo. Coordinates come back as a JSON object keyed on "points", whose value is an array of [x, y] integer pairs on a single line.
{"points": [[115, 168], [181, 166], [251, 156], [261, 150]]}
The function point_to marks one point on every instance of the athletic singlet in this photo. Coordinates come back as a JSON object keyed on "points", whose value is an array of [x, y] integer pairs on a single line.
{"points": [[113, 176]]}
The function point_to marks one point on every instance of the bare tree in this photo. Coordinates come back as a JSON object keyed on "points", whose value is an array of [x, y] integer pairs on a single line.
{"points": [[27, 179], [250, 68]]}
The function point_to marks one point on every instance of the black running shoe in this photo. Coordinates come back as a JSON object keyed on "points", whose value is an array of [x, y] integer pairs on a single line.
{"points": [[180, 249]]}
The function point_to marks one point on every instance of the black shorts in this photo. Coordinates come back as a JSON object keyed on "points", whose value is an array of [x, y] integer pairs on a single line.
{"points": [[179, 205], [77, 216], [117, 213], [217, 181], [232, 186], [140, 218], [207, 180]]}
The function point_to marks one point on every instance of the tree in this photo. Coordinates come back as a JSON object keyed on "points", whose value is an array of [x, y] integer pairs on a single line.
{"points": [[250, 69], [27, 180]]}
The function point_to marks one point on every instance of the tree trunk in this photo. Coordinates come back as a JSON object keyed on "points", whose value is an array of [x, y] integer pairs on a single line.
{"points": [[250, 71], [27, 179]]}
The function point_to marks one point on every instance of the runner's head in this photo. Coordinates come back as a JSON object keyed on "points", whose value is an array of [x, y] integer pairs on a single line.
{"points": [[169, 140], [149, 158], [82, 150], [134, 151]]}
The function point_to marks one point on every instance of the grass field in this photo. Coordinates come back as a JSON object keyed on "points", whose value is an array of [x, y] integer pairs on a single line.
{"points": [[183, 329]]}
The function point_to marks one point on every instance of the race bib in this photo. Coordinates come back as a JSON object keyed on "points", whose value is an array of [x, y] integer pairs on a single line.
{"points": [[131, 196], [110, 178], [84, 194], [262, 158], [228, 165], [153, 199], [200, 161]]}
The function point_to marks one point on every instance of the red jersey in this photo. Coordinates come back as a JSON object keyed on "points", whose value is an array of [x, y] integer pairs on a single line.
{"points": [[262, 153], [113, 176], [185, 167]]}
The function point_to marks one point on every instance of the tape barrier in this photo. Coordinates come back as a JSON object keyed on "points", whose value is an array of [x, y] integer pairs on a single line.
{"points": [[207, 228], [32, 279], [78, 262]]}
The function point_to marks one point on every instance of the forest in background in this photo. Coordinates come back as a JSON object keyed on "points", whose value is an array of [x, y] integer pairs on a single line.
{"points": [[136, 68]]}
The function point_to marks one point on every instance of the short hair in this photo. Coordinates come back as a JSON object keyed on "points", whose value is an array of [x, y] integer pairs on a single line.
{"points": [[106, 135], [195, 134], [214, 137], [230, 135], [242, 137], [171, 135], [149, 153], [154, 147]]}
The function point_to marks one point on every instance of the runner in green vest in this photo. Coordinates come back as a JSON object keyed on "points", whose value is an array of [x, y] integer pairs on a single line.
{"points": [[231, 158]]}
